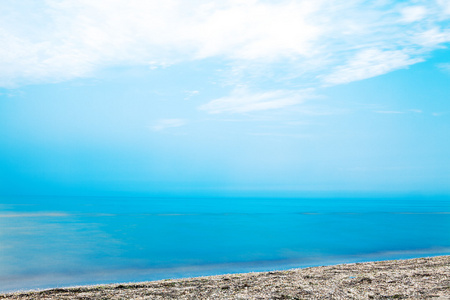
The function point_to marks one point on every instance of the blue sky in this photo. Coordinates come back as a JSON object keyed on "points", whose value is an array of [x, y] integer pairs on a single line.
{"points": [[219, 97]]}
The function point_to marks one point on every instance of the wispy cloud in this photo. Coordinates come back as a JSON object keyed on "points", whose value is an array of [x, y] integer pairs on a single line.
{"points": [[397, 112], [319, 42], [369, 63], [389, 112], [444, 67], [413, 13], [438, 114], [60, 40], [415, 111], [190, 94], [167, 123], [445, 6], [273, 134], [241, 100], [432, 37]]}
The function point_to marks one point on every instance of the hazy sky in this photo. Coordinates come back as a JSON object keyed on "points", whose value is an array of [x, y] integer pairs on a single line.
{"points": [[213, 97]]}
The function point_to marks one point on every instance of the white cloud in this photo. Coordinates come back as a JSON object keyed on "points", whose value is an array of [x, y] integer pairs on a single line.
{"points": [[241, 100], [445, 6], [413, 13], [74, 38], [256, 30], [432, 37], [56, 40], [167, 123], [369, 63]]}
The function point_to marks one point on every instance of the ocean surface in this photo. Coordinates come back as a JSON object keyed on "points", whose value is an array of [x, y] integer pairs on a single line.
{"points": [[65, 241]]}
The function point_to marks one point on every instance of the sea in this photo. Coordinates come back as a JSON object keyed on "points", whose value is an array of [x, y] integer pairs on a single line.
{"points": [[48, 242]]}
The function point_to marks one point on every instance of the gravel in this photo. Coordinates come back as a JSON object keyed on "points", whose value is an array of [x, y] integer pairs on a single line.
{"points": [[419, 278]]}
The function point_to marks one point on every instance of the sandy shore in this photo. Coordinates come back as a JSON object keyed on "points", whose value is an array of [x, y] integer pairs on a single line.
{"points": [[420, 278]]}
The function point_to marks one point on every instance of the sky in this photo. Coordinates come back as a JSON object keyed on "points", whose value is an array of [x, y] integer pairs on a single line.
{"points": [[224, 97]]}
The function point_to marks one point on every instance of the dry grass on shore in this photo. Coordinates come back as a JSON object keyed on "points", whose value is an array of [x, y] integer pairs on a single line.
{"points": [[420, 278]]}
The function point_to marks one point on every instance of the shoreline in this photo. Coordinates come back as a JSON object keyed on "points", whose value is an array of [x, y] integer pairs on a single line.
{"points": [[417, 278]]}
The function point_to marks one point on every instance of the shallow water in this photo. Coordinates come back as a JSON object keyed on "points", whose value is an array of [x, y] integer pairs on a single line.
{"points": [[57, 241]]}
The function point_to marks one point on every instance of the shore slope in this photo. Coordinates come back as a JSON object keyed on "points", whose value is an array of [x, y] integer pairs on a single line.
{"points": [[419, 278]]}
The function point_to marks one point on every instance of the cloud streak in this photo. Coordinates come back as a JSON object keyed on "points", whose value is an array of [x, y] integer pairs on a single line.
{"points": [[370, 63], [167, 123], [241, 101]]}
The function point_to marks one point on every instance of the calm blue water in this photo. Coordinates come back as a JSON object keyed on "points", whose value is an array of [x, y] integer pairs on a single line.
{"points": [[55, 241]]}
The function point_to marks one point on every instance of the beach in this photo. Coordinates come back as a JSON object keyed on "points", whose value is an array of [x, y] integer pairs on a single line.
{"points": [[224, 149], [418, 278]]}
